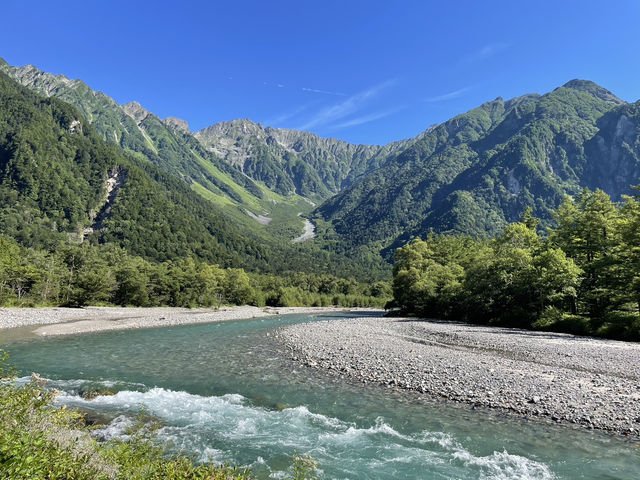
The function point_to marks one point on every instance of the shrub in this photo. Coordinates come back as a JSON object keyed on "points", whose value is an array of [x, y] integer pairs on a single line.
{"points": [[621, 326], [553, 319]]}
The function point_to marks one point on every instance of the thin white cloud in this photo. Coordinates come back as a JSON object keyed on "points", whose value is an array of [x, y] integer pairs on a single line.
{"points": [[283, 117], [347, 107], [368, 118], [324, 92], [487, 51], [448, 96], [280, 85]]}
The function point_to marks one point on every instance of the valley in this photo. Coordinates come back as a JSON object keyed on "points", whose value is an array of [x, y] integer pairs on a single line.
{"points": [[470, 175], [502, 240]]}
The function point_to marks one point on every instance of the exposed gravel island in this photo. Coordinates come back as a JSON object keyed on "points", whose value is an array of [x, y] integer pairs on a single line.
{"points": [[555, 377]]}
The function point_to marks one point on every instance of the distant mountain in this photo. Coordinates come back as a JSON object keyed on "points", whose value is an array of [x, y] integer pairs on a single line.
{"points": [[227, 158], [60, 182], [289, 161], [472, 174], [168, 144], [220, 214], [478, 171]]}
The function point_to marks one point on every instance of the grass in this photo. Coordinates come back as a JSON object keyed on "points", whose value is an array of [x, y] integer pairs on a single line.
{"points": [[248, 200], [218, 199], [286, 223]]}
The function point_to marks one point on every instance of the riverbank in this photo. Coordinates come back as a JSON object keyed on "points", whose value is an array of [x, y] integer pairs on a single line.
{"points": [[29, 322], [553, 377]]}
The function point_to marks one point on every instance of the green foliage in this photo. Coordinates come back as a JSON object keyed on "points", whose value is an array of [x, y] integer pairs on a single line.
{"points": [[479, 171], [623, 325], [78, 275], [588, 232], [300, 289], [555, 320], [581, 278], [304, 467], [428, 276]]}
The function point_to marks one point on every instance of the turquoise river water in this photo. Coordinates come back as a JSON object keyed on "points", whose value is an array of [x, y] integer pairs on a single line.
{"points": [[226, 392]]}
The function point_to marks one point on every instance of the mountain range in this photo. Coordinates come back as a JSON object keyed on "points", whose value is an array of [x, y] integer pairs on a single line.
{"points": [[290, 161], [478, 171], [472, 174]]}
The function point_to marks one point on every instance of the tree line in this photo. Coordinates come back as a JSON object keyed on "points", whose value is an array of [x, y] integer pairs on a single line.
{"points": [[77, 275], [581, 276]]}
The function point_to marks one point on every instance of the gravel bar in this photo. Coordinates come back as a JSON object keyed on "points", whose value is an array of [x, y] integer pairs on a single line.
{"points": [[26, 322], [555, 377]]}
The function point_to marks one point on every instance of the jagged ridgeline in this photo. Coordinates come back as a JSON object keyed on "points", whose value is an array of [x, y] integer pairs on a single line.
{"points": [[290, 161], [59, 180], [479, 171], [166, 143], [287, 162], [473, 174], [263, 179]]}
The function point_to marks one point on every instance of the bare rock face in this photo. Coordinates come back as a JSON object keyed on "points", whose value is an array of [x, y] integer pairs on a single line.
{"points": [[116, 178], [177, 124], [75, 127], [42, 82], [232, 141], [335, 162], [136, 111], [235, 140]]}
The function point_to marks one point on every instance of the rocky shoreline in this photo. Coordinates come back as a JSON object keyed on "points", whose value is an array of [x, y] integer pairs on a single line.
{"points": [[553, 377], [29, 322]]}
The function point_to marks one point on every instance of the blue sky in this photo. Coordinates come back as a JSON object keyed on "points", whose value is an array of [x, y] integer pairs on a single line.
{"points": [[363, 71]]}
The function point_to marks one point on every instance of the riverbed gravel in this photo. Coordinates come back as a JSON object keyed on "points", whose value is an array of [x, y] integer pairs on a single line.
{"points": [[559, 378], [25, 322]]}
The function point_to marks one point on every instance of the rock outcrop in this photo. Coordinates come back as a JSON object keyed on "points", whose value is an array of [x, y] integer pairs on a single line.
{"points": [[177, 124], [136, 111]]}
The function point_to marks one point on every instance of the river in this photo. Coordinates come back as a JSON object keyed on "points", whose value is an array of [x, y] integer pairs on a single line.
{"points": [[227, 392]]}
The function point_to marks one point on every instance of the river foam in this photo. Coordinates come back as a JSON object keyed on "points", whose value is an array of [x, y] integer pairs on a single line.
{"points": [[275, 407], [229, 428]]}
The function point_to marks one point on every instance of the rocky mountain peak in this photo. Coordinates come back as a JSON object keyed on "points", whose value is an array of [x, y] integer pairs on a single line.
{"points": [[136, 111], [177, 124], [239, 126], [242, 127]]}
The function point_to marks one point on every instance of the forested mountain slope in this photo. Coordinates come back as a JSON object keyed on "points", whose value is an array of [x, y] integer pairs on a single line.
{"points": [[166, 143], [225, 157], [60, 182], [169, 145], [53, 184], [472, 174], [478, 171]]}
